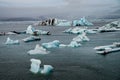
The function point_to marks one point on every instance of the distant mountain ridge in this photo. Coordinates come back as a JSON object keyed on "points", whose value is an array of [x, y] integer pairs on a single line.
{"points": [[23, 19]]}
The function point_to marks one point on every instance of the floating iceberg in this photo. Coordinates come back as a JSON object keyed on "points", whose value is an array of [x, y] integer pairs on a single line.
{"points": [[63, 45], [76, 30], [53, 44], [38, 50], [41, 32], [10, 41], [108, 48], [113, 26], [74, 44], [35, 67], [82, 22], [47, 69], [32, 38], [30, 30], [79, 30], [81, 37]]}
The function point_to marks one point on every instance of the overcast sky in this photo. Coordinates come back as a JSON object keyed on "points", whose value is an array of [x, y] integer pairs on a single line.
{"points": [[59, 8]]}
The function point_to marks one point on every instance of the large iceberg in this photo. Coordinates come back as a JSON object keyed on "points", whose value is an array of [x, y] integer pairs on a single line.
{"points": [[10, 41], [53, 44], [113, 26], [35, 67], [82, 22], [38, 50], [32, 38]]}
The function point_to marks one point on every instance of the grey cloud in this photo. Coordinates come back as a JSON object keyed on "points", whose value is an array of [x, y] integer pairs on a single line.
{"points": [[72, 10]]}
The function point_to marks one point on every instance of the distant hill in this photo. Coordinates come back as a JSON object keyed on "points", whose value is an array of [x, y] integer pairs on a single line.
{"points": [[23, 19]]}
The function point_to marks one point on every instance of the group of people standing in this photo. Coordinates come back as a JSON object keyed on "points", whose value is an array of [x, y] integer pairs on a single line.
{"points": [[48, 22]]}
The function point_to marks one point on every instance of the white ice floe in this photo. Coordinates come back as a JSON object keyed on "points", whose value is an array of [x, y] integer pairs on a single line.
{"points": [[30, 30], [79, 30], [32, 38], [38, 50], [10, 41], [46, 69], [113, 26], [53, 44], [81, 38], [64, 23], [42, 32], [108, 48], [35, 67], [82, 22], [63, 46], [74, 44]]}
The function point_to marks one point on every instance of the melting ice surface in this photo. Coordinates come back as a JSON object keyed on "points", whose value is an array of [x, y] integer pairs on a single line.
{"points": [[53, 44], [38, 50], [10, 41], [35, 67]]}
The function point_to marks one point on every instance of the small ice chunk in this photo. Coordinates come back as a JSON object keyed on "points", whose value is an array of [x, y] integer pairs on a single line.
{"points": [[64, 23], [74, 44], [35, 65], [81, 37], [41, 32], [38, 50], [30, 30], [10, 41], [91, 32], [79, 30], [32, 38], [47, 69], [53, 44]]}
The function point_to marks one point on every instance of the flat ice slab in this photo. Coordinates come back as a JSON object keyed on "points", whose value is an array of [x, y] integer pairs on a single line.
{"points": [[79, 30], [10, 41], [32, 38], [38, 50], [53, 44]]}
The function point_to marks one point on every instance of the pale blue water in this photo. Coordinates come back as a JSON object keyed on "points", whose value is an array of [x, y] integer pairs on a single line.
{"points": [[69, 63]]}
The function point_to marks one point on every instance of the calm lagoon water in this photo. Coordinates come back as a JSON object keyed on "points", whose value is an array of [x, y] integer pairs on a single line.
{"points": [[69, 63]]}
